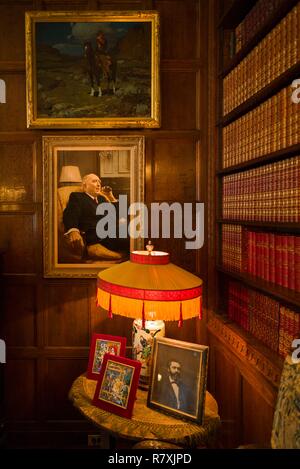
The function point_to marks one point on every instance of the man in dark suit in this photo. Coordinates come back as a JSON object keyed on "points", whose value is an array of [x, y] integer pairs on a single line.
{"points": [[80, 217], [171, 391]]}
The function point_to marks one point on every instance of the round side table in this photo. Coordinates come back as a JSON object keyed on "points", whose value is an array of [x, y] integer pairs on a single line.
{"points": [[147, 424]]}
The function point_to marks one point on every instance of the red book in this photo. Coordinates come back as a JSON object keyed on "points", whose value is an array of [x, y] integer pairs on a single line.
{"points": [[297, 263], [278, 260], [250, 252], [254, 251], [284, 257], [291, 261], [272, 257], [259, 256], [245, 248], [266, 252]]}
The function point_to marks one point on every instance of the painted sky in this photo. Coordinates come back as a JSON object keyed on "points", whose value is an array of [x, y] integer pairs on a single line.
{"points": [[68, 38]]}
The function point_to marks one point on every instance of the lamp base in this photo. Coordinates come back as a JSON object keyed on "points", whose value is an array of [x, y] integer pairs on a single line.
{"points": [[142, 343]]}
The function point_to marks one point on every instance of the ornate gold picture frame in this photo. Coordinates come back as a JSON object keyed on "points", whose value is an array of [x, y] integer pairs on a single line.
{"points": [[92, 69], [118, 161]]}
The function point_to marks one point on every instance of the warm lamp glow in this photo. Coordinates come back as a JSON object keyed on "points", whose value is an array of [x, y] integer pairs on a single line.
{"points": [[70, 174], [149, 289]]}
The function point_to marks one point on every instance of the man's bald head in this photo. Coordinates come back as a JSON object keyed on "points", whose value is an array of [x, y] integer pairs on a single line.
{"points": [[91, 184]]}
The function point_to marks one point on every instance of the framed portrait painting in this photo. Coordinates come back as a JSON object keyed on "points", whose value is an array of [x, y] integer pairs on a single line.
{"points": [[89, 183], [92, 69], [178, 378], [117, 385], [100, 345]]}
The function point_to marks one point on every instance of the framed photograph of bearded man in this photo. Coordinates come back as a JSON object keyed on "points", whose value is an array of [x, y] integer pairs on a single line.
{"points": [[92, 69], [178, 378], [89, 184]]}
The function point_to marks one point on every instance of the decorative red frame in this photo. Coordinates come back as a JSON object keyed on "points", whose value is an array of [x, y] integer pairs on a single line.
{"points": [[120, 341], [111, 365]]}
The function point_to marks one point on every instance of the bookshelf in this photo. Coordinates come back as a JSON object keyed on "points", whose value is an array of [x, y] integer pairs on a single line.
{"points": [[258, 179], [230, 21], [269, 90]]}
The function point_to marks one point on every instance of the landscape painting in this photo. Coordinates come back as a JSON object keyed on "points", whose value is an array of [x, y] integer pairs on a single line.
{"points": [[92, 69]]}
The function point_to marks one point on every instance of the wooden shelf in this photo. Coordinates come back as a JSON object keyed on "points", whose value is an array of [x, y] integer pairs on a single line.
{"points": [[261, 160], [253, 345], [236, 13], [276, 291], [268, 225], [252, 353], [272, 88], [260, 34]]}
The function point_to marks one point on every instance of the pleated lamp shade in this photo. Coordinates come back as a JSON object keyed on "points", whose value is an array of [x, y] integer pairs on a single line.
{"points": [[70, 174], [150, 287]]}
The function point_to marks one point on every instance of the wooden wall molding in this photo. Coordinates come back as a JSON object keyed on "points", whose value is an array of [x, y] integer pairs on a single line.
{"points": [[17, 2], [186, 65], [244, 350], [12, 67]]}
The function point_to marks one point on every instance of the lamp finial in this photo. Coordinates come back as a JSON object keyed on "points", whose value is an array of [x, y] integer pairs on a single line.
{"points": [[149, 247]]}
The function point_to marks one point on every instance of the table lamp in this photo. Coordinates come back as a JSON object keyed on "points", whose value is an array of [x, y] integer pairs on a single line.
{"points": [[70, 174], [151, 290]]}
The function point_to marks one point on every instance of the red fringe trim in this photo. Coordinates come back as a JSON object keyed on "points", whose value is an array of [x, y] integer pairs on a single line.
{"points": [[148, 259], [151, 295], [143, 315], [180, 322]]}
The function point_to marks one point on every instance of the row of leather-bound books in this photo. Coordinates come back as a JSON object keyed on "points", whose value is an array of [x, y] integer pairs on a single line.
{"points": [[270, 256], [265, 318], [259, 15], [268, 193], [276, 52], [270, 127]]}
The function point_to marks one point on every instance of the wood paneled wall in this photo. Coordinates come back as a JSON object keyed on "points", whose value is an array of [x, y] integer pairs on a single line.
{"points": [[47, 324]]}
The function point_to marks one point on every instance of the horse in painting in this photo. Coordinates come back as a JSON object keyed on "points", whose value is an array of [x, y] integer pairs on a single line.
{"points": [[101, 66]]}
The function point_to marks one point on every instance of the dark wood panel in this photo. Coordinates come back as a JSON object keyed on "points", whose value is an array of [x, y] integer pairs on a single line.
{"points": [[19, 321], [53, 321], [58, 380], [20, 389], [257, 417], [185, 258], [67, 314], [178, 103], [12, 67], [118, 325], [227, 391], [188, 332], [17, 238], [12, 31], [174, 170], [179, 28], [13, 113], [17, 164], [61, 4], [120, 4]]}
